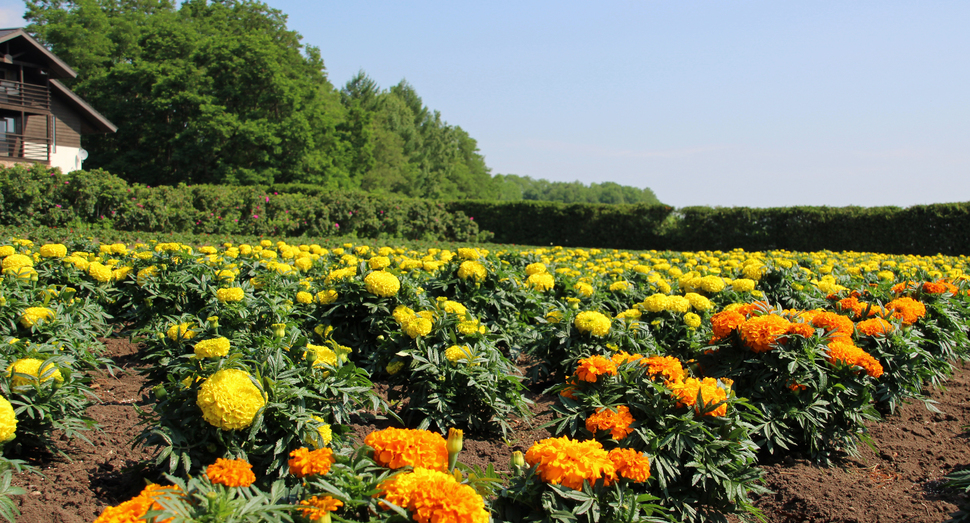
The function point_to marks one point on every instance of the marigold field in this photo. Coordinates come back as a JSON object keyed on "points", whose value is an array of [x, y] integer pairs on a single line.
{"points": [[342, 382]]}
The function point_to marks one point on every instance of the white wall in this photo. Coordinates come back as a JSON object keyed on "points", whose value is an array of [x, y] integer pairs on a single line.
{"points": [[66, 159]]}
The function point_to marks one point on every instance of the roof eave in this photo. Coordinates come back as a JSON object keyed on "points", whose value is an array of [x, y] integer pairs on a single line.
{"points": [[96, 119], [58, 68]]}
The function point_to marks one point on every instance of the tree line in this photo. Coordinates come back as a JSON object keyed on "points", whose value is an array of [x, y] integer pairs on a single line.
{"points": [[221, 92]]}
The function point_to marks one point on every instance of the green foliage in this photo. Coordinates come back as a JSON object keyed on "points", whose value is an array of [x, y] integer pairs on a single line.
{"points": [[198, 500], [514, 188], [8, 509]]}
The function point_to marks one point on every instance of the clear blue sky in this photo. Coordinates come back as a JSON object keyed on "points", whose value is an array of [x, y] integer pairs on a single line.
{"points": [[751, 103]]}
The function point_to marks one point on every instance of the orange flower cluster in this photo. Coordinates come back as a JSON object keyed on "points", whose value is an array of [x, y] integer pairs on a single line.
{"points": [[846, 352], [936, 287], [594, 366], [805, 330], [569, 462], [858, 308], [433, 496], [875, 327], [134, 509], [304, 462], [667, 366], [318, 508], [231, 472], [625, 357], [836, 325], [760, 332], [630, 464], [726, 321], [710, 392], [616, 422], [395, 448], [908, 309]]}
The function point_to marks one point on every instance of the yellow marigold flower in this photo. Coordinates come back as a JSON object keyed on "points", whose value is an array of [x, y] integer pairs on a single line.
{"points": [[692, 320], [379, 262], [17, 261], [589, 369], [418, 327], [395, 448], [341, 274], [569, 462], [472, 270], [324, 432], [535, 268], [34, 315], [180, 331], [8, 421], [212, 348], [656, 302], [455, 353], [711, 284], [466, 253], [435, 497], [592, 322], [321, 355], [631, 464], [326, 297], [32, 370], [383, 284], [6, 250], [678, 304], [742, 285], [304, 462], [453, 307], [616, 422], [698, 302], [584, 289], [541, 282], [620, 286], [471, 328], [229, 400], [53, 250], [99, 272], [760, 332], [230, 294], [304, 297], [319, 508], [231, 472], [554, 316], [687, 391]]}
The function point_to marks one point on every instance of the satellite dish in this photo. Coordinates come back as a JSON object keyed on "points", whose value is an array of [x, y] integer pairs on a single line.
{"points": [[82, 154]]}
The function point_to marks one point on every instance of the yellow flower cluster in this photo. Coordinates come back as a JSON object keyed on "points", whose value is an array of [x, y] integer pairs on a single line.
{"points": [[230, 294], [414, 324], [541, 282], [53, 250], [34, 315], [212, 348], [455, 353], [383, 284], [8, 421], [229, 400], [472, 270], [592, 322], [180, 331], [26, 371]]}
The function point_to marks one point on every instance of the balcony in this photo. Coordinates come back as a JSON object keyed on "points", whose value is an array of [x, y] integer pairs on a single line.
{"points": [[24, 148], [20, 96]]}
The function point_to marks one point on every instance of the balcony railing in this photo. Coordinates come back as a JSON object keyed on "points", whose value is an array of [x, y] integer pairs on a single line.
{"points": [[28, 96], [33, 148]]}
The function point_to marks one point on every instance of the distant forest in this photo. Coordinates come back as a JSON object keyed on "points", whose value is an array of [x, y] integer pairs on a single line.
{"points": [[221, 92]]}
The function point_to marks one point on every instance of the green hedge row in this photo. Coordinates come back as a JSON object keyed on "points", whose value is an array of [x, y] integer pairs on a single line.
{"points": [[35, 195]]}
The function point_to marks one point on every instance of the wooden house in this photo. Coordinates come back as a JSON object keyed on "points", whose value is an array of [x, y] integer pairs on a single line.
{"points": [[41, 120]]}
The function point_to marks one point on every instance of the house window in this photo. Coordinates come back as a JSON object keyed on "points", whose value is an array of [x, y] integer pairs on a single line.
{"points": [[8, 138]]}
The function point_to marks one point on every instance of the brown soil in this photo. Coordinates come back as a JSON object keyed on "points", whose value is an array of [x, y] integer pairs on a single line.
{"points": [[898, 482]]}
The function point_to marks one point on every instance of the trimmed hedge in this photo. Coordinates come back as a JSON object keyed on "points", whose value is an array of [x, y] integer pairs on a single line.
{"points": [[36, 195]]}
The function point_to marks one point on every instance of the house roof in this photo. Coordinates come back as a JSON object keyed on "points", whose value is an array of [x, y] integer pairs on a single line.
{"points": [[37, 53], [92, 117]]}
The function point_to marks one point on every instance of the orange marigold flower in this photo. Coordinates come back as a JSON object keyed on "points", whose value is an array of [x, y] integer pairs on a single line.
{"points": [[616, 422], [687, 392], [631, 464], [849, 354], [908, 309], [667, 366], [806, 330], [231, 472], [760, 332], [748, 309], [937, 287], [836, 325], [594, 366], [726, 321], [395, 448], [133, 510], [874, 327], [569, 462], [796, 387], [304, 462], [432, 496], [317, 508]]}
